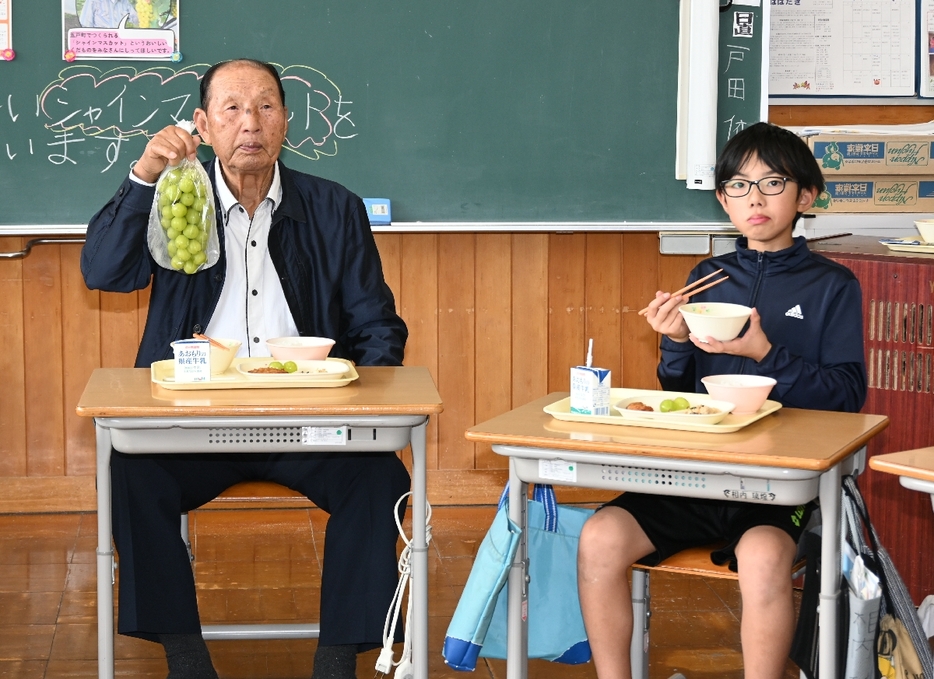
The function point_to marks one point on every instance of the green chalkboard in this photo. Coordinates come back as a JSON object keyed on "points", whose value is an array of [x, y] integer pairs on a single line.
{"points": [[456, 110]]}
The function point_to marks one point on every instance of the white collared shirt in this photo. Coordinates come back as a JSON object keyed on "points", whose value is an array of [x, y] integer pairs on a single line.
{"points": [[252, 306]]}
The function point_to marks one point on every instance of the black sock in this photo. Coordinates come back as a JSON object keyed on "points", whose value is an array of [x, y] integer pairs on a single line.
{"points": [[336, 662], [188, 656]]}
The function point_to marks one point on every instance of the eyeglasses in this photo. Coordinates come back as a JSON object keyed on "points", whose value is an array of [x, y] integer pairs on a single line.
{"points": [[768, 186]]}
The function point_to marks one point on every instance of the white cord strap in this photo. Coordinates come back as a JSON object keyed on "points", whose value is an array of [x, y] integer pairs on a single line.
{"points": [[386, 662]]}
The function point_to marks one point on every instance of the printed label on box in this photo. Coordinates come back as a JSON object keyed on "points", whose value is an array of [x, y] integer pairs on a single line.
{"points": [[852, 154], [877, 194]]}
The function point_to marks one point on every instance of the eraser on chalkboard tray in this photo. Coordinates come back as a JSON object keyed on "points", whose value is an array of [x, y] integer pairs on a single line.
{"points": [[378, 210]]}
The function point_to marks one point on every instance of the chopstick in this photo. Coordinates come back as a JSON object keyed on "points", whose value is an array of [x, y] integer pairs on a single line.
{"points": [[709, 285], [688, 287], [213, 341]]}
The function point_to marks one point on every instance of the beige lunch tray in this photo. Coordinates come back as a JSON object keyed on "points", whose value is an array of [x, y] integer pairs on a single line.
{"points": [[908, 245], [561, 410], [163, 374]]}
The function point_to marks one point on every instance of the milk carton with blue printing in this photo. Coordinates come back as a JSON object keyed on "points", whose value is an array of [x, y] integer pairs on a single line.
{"points": [[590, 388]]}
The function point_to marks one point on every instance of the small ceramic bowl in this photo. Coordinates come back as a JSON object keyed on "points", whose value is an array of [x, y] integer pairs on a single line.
{"points": [[719, 320], [926, 229], [300, 348], [747, 392], [221, 358]]}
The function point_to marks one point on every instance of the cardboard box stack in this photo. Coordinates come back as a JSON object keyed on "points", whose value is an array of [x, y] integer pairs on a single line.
{"points": [[874, 172]]}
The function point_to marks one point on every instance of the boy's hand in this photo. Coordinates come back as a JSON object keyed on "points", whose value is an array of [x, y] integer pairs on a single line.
{"points": [[169, 146], [662, 314], [754, 344]]}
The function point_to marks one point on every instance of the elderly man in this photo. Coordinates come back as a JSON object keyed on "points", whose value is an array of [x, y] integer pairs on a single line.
{"points": [[297, 258]]}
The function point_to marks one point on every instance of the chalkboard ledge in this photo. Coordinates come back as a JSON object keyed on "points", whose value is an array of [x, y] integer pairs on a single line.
{"points": [[444, 227]]}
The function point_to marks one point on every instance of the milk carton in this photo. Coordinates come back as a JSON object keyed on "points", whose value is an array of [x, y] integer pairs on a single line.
{"points": [[590, 390], [192, 360]]}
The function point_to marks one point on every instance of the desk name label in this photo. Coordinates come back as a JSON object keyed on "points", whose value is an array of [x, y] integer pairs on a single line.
{"points": [[749, 495], [324, 436], [558, 470]]}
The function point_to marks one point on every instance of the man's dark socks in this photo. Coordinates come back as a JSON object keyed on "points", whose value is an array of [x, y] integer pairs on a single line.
{"points": [[336, 662], [188, 656]]}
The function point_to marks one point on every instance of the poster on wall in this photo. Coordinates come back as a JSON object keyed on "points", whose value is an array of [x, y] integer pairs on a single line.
{"points": [[120, 30], [6, 31], [842, 48]]}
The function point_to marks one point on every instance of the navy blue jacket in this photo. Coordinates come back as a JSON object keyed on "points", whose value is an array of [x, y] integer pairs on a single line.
{"points": [[320, 244], [811, 310]]}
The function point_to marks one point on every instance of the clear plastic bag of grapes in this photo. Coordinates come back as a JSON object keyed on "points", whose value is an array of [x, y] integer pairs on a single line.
{"points": [[182, 229]]}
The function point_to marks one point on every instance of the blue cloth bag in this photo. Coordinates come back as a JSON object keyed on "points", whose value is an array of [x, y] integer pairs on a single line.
{"points": [[556, 627]]}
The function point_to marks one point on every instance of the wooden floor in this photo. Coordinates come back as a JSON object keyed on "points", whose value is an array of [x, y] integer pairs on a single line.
{"points": [[263, 565]]}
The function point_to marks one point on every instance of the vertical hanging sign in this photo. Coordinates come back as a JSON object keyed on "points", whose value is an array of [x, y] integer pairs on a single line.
{"points": [[6, 31], [743, 91]]}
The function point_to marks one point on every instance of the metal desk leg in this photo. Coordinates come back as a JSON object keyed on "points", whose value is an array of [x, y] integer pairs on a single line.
{"points": [[639, 644], [419, 553], [105, 559], [830, 489], [517, 618]]}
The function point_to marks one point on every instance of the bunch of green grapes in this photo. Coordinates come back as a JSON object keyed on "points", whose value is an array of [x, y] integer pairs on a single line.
{"points": [[183, 197], [144, 12], [673, 405]]}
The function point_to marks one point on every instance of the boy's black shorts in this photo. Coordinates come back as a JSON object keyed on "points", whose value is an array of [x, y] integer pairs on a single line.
{"points": [[677, 523]]}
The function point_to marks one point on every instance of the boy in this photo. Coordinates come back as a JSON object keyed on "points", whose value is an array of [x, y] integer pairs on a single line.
{"points": [[806, 332]]}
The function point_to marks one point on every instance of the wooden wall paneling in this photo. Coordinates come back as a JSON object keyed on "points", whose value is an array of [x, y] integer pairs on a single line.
{"points": [[120, 329], [51, 494], [81, 355], [493, 343], [13, 459], [529, 317], [567, 344], [603, 299], [390, 254], [42, 355], [673, 271], [418, 306], [798, 116], [639, 273], [456, 348], [497, 318]]}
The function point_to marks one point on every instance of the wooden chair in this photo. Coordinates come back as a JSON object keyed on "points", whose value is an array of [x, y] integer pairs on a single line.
{"points": [[247, 494]]}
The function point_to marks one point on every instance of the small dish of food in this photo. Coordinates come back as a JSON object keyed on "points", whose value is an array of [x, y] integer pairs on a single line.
{"points": [[748, 392], [289, 370], [668, 407], [300, 348]]}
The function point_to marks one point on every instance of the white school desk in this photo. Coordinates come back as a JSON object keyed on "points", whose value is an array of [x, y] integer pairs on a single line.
{"points": [[914, 468], [385, 409], [789, 457]]}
